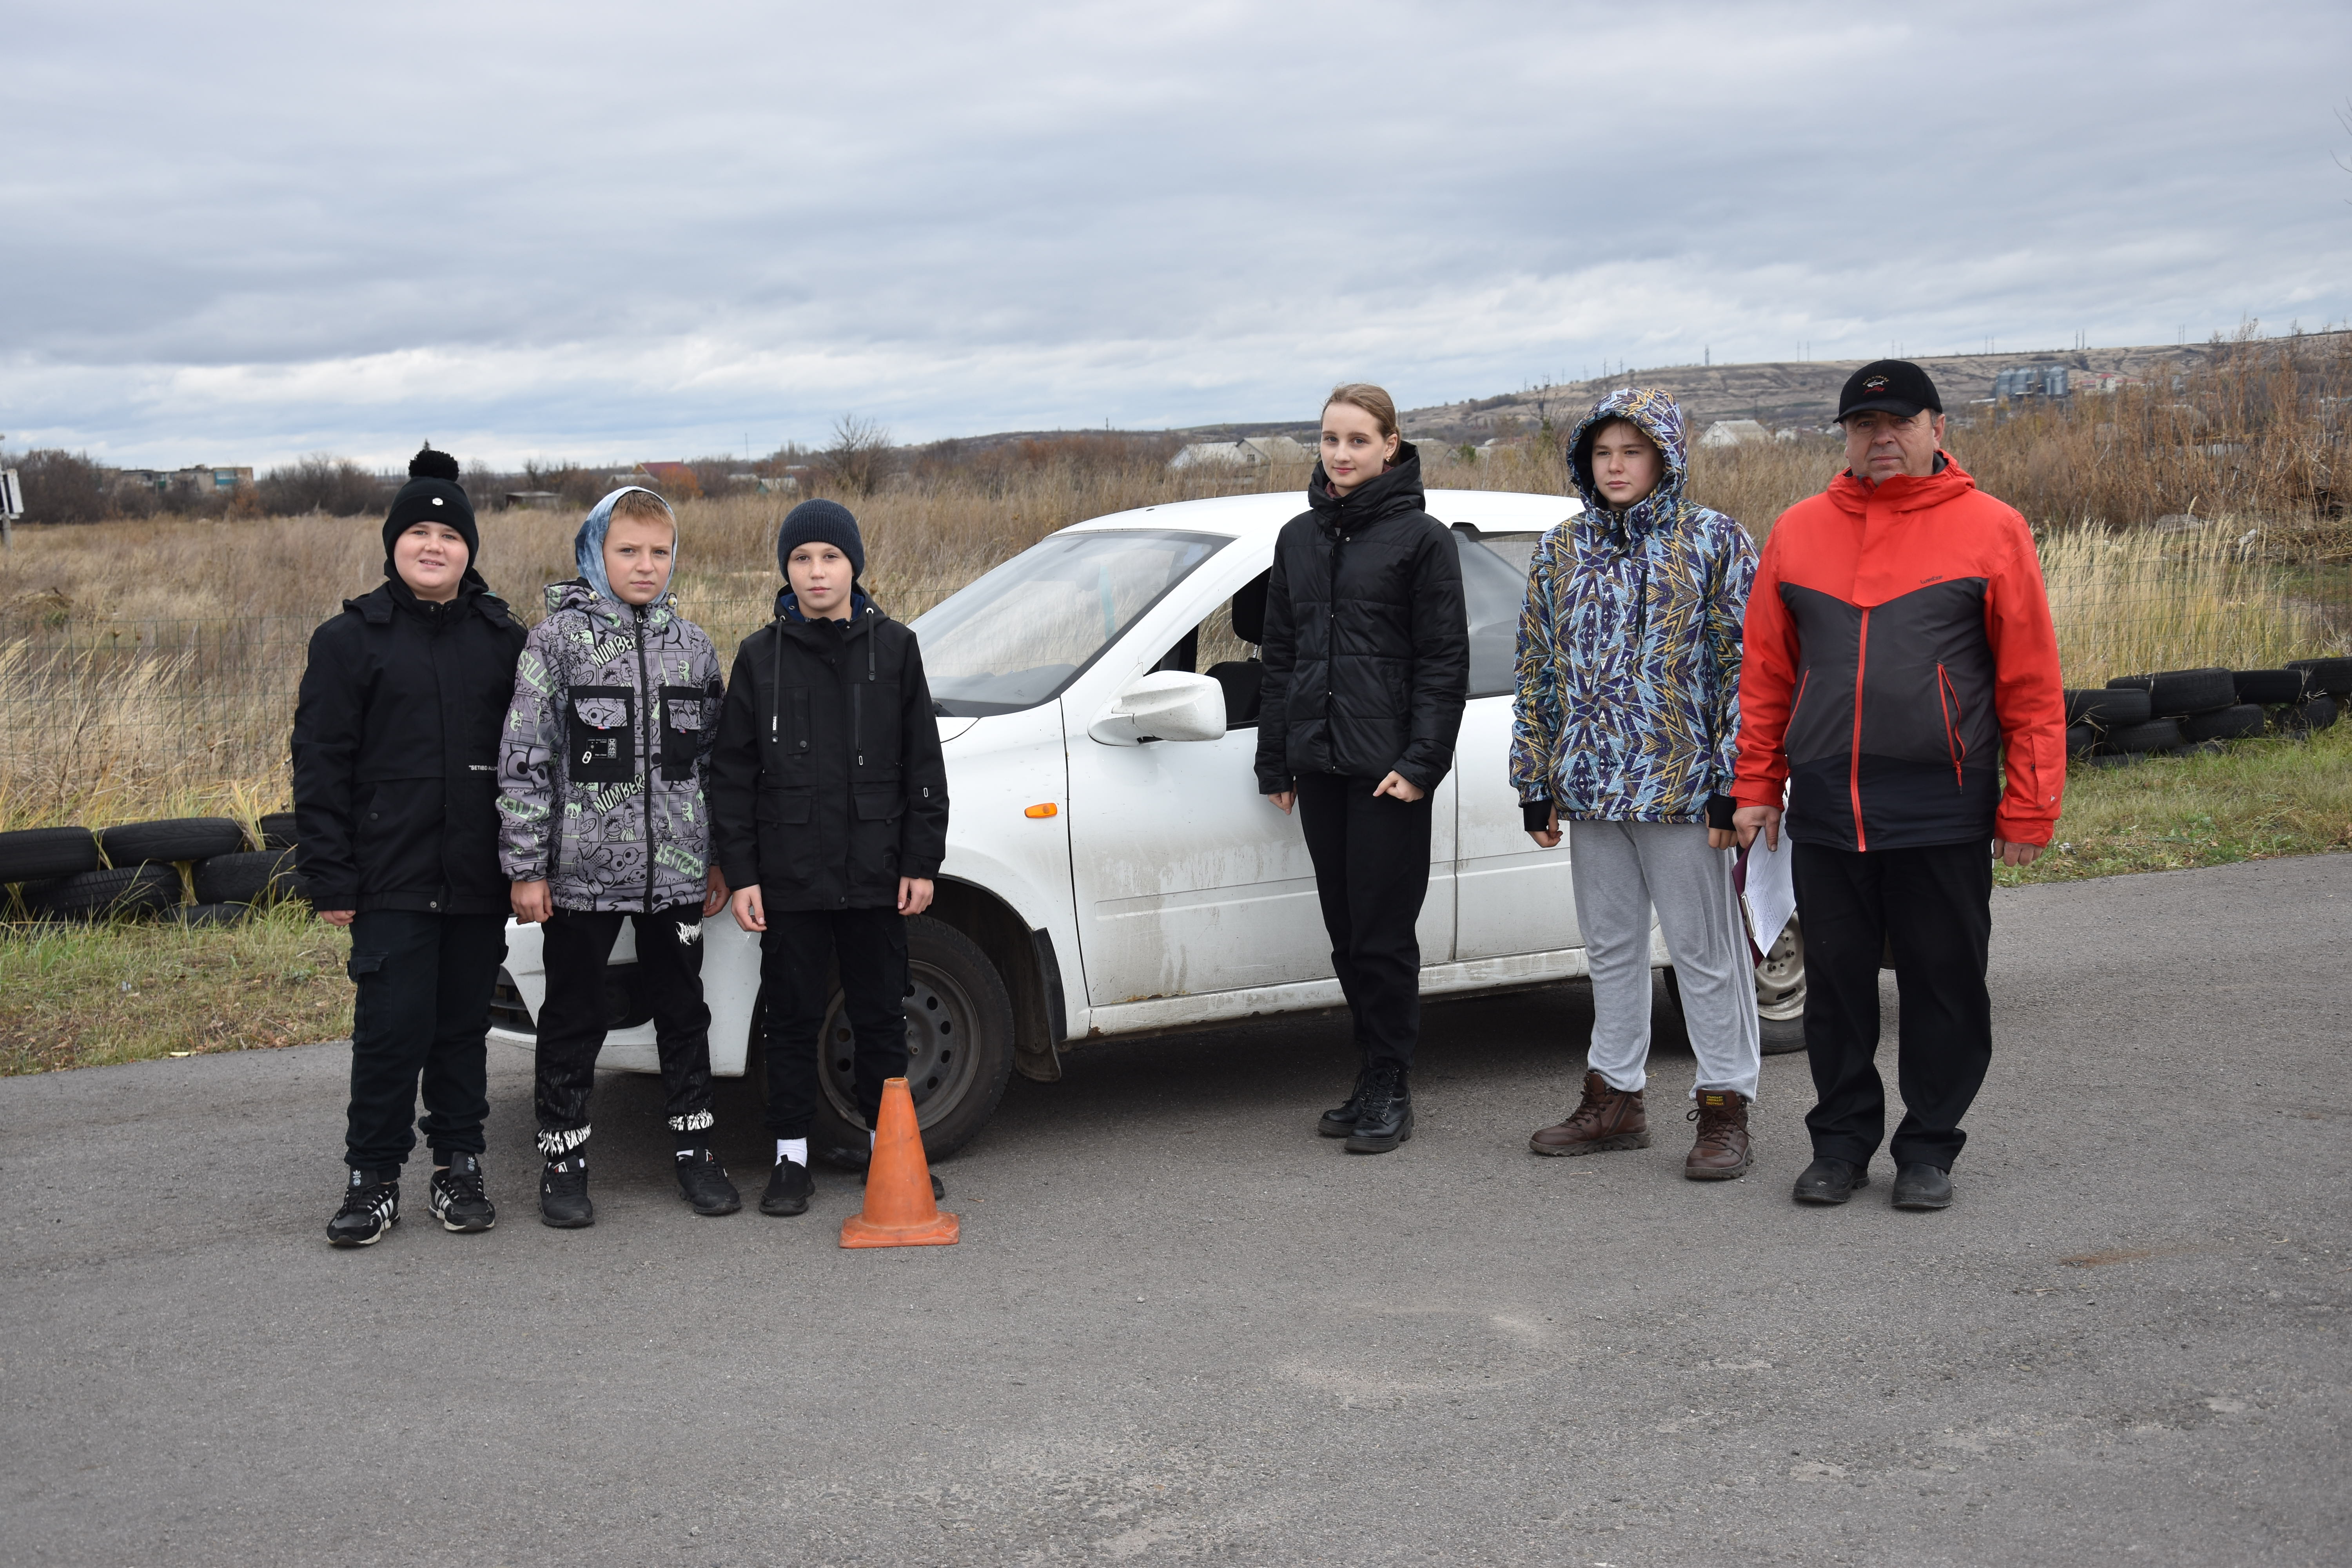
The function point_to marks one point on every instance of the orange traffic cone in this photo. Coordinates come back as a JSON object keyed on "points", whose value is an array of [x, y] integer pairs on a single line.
{"points": [[899, 1210]]}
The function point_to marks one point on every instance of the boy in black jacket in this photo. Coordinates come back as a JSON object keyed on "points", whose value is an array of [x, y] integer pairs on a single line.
{"points": [[829, 817], [395, 784]]}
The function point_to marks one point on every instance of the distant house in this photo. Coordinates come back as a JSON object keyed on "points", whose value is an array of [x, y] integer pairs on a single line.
{"points": [[201, 477], [537, 501], [1734, 433], [1247, 452], [674, 480]]}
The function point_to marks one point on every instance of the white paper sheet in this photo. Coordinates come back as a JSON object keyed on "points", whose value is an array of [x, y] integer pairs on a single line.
{"points": [[1770, 895]]}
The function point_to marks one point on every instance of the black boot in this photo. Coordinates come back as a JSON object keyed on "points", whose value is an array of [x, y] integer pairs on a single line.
{"points": [[563, 1193], [1340, 1120], [1384, 1117]]}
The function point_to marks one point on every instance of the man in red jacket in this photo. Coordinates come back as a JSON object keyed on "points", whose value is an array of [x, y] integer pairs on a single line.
{"points": [[1900, 692]]}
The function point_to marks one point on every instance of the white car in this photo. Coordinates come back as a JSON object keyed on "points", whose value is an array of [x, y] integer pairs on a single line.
{"points": [[1111, 869]]}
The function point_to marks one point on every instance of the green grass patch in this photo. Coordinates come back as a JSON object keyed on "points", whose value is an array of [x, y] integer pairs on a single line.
{"points": [[80, 996], [2253, 801]]}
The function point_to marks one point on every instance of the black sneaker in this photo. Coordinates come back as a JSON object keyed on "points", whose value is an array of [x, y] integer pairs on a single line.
{"points": [[788, 1188], [563, 1194], [1384, 1120], [703, 1181], [371, 1207], [456, 1197]]}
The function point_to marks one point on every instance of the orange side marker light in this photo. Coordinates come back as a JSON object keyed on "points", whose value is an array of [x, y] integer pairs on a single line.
{"points": [[1043, 810]]}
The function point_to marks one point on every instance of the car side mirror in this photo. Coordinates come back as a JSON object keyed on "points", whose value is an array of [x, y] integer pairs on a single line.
{"points": [[1165, 705]]}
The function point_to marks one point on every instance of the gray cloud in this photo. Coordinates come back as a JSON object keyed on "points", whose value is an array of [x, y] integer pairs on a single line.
{"points": [[248, 231]]}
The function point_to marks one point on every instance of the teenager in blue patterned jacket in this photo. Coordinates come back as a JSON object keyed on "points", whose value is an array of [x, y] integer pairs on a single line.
{"points": [[1624, 727]]}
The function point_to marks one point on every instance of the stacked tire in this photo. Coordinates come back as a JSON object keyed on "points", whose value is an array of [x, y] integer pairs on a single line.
{"points": [[136, 870], [2327, 686]]}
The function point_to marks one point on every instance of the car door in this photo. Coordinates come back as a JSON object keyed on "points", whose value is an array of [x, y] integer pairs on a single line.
{"points": [[1512, 896], [1188, 880]]}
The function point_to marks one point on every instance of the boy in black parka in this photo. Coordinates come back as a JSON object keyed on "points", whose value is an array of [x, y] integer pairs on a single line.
{"points": [[395, 784], [829, 817]]}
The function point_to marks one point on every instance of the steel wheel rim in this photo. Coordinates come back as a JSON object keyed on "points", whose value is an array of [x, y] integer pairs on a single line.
{"points": [[940, 1057], [1781, 978]]}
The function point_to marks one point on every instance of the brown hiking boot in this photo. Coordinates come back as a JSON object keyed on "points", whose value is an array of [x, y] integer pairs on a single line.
{"points": [[1721, 1151], [1605, 1119]]}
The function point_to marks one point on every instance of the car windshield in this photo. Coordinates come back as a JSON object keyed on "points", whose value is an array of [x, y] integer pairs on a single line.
{"points": [[1016, 638]]}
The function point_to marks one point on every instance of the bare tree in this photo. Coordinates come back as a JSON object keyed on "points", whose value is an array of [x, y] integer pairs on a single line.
{"points": [[861, 455]]}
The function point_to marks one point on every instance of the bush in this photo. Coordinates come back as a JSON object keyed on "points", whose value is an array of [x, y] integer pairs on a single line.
{"points": [[65, 487], [325, 483]]}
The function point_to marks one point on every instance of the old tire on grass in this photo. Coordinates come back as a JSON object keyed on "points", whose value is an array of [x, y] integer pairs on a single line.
{"points": [[214, 914], [2302, 718], [2268, 686], [2080, 739], [2174, 692], [2240, 723], [2155, 735], [2108, 708], [179, 838], [2333, 675], [249, 877], [278, 830], [959, 1045], [33, 853], [123, 891]]}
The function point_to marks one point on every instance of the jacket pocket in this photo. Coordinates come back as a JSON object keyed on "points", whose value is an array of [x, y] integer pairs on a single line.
{"points": [[600, 724], [788, 849], [879, 803], [1955, 745], [681, 731]]}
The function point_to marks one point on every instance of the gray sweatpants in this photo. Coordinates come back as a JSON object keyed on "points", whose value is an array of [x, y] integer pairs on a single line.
{"points": [[1621, 870]]}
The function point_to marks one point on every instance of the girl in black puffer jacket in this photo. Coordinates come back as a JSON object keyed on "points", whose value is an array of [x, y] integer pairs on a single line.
{"points": [[395, 786], [1367, 660]]}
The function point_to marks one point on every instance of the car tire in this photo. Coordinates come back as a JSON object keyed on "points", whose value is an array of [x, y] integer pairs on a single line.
{"points": [[1781, 993], [122, 891], [2268, 687], [214, 914], [2080, 739], [2110, 707], [32, 854], [180, 839], [2172, 693], [2155, 735], [2240, 723], [2302, 718], [2333, 675], [959, 1049], [278, 830], [249, 877]]}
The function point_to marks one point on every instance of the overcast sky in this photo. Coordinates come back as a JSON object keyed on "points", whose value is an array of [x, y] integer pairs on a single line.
{"points": [[238, 232]]}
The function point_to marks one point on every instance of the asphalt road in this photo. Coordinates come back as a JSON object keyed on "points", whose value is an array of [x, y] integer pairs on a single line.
{"points": [[1181, 1326]]}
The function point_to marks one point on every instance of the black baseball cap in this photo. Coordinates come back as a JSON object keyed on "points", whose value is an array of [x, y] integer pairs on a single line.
{"points": [[1896, 385]]}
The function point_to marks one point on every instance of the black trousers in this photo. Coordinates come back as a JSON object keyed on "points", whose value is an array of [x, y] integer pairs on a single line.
{"points": [[577, 945], [796, 953], [1371, 875], [1933, 906], [422, 1011]]}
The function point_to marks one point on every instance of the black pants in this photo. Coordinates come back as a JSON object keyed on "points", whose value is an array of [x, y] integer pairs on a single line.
{"points": [[1933, 906], [1371, 874], [576, 945], [423, 1009], [795, 953]]}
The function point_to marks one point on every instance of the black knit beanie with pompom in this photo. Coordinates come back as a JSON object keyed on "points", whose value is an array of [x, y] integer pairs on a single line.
{"points": [[432, 495]]}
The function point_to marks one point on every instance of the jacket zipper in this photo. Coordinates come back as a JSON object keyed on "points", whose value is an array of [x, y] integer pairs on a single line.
{"points": [[1854, 758], [1947, 696], [647, 711], [1332, 647], [857, 704]]}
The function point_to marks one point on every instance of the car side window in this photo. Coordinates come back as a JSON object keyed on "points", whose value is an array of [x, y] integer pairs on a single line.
{"points": [[1219, 648], [1494, 591]]}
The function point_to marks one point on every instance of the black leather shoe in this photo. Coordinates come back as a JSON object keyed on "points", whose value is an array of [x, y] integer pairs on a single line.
{"points": [[1384, 1119], [1828, 1181], [789, 1187], [1340, 1120], [1922, 1187]]}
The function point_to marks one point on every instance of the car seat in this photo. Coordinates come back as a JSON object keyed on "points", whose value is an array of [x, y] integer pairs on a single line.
{"points": [[1245, 679]]}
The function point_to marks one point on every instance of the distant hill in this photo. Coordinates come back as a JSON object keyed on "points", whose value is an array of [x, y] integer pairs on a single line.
{"points": [[1777, 393]]}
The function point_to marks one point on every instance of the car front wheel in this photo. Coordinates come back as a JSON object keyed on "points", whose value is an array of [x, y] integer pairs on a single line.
{"points": [[1781, 993]]}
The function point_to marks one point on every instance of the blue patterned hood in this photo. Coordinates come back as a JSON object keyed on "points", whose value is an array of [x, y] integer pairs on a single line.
{"points": [[1628, 682]]}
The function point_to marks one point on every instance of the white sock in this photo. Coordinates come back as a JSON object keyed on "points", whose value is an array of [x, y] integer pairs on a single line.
{"points": [[793, 1149]]}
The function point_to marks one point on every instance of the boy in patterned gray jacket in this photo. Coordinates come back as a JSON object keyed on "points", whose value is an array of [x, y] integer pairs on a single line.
{"points": [[600, 776]]}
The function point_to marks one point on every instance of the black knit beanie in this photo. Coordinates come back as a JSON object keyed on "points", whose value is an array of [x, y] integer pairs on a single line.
{"points": [[821, 522], [433, 495]]}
